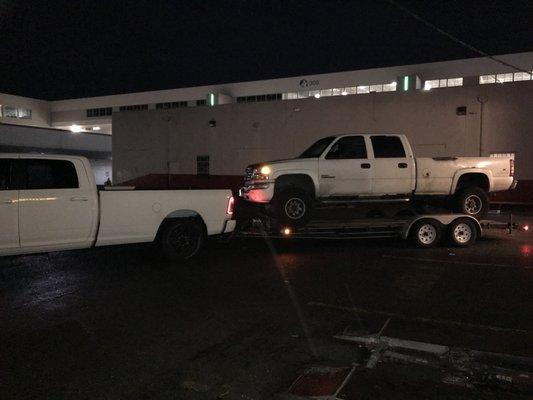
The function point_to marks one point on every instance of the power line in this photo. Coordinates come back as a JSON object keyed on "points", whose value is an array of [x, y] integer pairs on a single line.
{"points": [[454, 38]]}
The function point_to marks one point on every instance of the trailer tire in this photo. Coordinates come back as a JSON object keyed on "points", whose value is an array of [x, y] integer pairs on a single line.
{"points": [[181, 238], [293, 207], [426, 233], [472, 201], [462, 232]]}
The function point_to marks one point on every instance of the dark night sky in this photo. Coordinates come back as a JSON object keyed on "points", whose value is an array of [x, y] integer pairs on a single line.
{"points": [[74, 48]]}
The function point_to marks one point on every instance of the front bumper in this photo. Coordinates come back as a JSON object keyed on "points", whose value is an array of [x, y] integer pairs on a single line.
{"points": [[257, 192], [229, 226]]}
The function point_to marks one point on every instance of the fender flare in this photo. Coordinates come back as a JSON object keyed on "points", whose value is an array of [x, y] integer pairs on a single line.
{"points": [[459, 173]]}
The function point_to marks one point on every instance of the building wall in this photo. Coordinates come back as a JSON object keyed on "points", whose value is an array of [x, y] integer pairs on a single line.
{"points": [[168, 141], [40, 110]]}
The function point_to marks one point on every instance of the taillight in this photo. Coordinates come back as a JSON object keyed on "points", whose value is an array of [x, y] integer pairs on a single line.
{"points": [[231, 206], [511, 167]]}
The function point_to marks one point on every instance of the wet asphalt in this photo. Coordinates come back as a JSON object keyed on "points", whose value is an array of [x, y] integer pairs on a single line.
{"points": [[123, 323]]}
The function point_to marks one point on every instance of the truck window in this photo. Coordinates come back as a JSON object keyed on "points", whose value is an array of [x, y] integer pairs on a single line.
{"points": [[350, 147], [387, 147], [317, 148], [5, 173], [50, 174]]}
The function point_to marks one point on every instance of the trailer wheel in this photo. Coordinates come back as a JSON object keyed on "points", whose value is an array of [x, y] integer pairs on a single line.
{"points": [[426, 233], [462, 232], [293, 207], [472, 201], [181, 239]]}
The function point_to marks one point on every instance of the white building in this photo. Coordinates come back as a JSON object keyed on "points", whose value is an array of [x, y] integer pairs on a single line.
{"points": [[94, 114]]}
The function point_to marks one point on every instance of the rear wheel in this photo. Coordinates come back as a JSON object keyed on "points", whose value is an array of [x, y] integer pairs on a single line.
{"points": [[472, 201], [182, 239], [426, 233], [293, 207], [462, 232]]}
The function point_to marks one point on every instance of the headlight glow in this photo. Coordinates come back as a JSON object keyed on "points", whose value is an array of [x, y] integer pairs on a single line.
{"points": [[265, 170]]}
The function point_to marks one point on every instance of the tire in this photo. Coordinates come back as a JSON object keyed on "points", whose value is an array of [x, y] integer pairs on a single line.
{"points": [[426, 233], [472, 201], [182, 239], [293, 207], [462, 232]]}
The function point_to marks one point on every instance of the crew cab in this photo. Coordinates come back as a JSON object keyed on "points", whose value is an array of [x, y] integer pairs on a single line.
{"points": [[373, 167], [50, 203]]}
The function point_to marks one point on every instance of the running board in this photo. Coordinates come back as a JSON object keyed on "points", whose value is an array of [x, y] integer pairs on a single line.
{"points": [[354, 201]]}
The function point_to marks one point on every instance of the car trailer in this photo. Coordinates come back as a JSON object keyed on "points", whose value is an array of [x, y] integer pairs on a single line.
{"points": [[425, 230]]}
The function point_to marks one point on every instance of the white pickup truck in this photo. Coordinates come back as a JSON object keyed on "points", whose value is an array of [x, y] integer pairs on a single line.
{"points": [[373, 167], [50, 203]]}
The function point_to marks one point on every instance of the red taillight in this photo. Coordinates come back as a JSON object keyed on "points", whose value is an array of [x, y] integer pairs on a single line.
{"points": [[511, 167], [231, 206]]}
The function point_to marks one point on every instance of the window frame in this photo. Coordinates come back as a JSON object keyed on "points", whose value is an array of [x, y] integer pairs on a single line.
{"points": [[328, 152], [22, 172], [398, 138]]}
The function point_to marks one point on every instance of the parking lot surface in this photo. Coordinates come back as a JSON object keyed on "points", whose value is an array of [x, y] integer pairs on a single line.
{"points": [[122, 323]]}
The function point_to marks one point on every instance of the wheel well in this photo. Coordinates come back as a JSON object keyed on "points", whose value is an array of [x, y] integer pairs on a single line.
{"points": [[181, 215], [473, 179], [295, 181]]}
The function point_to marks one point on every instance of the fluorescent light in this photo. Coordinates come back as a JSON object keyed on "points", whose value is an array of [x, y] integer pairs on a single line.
{"points": [[96, 128], [344, 93], [405, 83], [427, 86], [75, 128], [317, 95]]}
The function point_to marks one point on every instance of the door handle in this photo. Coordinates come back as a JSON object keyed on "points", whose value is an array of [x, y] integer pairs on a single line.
{"points": [[402, 165], [365, 165], [327, 176], [79, 199]]}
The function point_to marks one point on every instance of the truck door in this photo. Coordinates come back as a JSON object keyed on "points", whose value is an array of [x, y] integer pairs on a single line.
{"points": [[345, 169], [55, 207], [9, 206], [393, 167]]}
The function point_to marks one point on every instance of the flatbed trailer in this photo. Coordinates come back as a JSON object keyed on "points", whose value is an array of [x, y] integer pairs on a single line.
{"points": [[426, 230]]}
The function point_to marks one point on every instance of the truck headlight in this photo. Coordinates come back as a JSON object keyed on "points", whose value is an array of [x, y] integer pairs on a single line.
{"points": [[261, 174]]}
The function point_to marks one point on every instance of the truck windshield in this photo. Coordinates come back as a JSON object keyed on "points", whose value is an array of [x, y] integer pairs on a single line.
{"points": [[317, 148]]}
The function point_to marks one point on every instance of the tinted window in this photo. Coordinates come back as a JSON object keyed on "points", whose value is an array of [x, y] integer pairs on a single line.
{"points": [[348, 148], [50, 174], [387, 147], [5, 173], [317, 148]]}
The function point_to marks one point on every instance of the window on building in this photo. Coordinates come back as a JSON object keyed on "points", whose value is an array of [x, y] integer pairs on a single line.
{"points": [[325, 92], [350, 147], [5, 173], [202, 165], [350, 90], [201, 102], [376, 88], [389, 87], [9, 112], [24, 113], [503, 155], [501, 78], [336, 91], [441, 83], [387, 147], [99, 112], [303, 95], [135, 107], [174, 104], [522, 76], [455, 82], [50, 174], [485, 79], [363, 89], [290, 96]]}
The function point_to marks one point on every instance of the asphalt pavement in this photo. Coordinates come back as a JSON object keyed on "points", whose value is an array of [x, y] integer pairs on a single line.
{"points": [[240, 320]]}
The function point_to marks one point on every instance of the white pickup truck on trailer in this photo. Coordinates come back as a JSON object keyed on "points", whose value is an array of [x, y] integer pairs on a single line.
{"points": [[373, 168], [50, 203]]}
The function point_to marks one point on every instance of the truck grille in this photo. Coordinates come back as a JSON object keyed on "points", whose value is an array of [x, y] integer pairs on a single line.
{"points": [[248, 175]]}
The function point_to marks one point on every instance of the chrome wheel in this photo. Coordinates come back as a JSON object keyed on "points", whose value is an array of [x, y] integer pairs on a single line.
{"points": [[473, 204], [427, 234], [462, 233], [295, 208]]}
